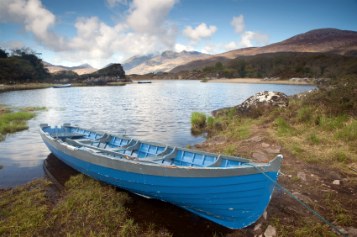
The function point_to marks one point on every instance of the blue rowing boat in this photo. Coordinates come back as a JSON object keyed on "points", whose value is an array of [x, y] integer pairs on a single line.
{"points": [[231, 191]]}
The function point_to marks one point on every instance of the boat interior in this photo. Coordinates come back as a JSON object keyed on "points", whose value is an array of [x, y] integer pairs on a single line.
{"points": [[132, 149]]}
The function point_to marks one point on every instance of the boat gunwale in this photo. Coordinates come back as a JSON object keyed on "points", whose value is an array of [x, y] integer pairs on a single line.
{"points": [[152, 168]]}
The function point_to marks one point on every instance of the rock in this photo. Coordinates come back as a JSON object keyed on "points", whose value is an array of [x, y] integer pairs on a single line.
{"points": [[270, 231], [352, 232], [303, 197], [255, 139], [265, 215], [336, 182], [273, 150], [257, 104], [260, 156], [265, 145], [302, 176], [257, 227]]}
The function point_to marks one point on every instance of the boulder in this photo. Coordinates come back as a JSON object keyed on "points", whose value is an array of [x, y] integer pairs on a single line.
{"points": [[270, 231], [255, 105], [258, 103]]}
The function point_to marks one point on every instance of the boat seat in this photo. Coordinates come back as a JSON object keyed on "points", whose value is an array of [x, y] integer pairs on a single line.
{"points": [[98, 149]]}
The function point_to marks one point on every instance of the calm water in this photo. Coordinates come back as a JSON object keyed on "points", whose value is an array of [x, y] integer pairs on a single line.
{"points": [[159, 111]]}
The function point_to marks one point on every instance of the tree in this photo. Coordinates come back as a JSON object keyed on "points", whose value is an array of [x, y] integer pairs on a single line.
{"points": [[23, 65], [3, 53], [219, 67]]}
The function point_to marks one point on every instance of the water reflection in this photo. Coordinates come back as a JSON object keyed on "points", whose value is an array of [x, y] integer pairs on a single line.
{"points": [[159, 111]]}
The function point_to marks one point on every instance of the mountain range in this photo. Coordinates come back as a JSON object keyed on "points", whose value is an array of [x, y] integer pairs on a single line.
{"points": [[328, 40], [163, 62], [333, 41], [80, 70]]}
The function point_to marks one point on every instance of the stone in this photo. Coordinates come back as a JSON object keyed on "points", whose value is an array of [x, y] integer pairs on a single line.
{"points": [[260, 156], [255, 105], [270, 231], [265, 145], [301, 175], [257, 227], [352, 231], [336, 182], [274, 150], [261, 101], [265, 215], [255, 139], [303, 197]]}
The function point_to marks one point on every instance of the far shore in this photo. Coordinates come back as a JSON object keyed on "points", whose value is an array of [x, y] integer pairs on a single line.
{"points": [[259, 81]]}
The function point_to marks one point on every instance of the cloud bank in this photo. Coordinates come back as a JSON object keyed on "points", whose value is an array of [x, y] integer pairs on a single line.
{"points": [[144, 30]]}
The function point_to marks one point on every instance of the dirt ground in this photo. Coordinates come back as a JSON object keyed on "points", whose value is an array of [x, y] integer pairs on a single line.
{"points": [[327, 191]]}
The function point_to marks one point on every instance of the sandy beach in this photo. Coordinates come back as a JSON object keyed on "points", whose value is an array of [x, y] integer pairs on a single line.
{"points": [[258, 81]]}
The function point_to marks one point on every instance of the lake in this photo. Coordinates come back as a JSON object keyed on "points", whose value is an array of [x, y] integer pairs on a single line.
{"points": [[159, 112]]}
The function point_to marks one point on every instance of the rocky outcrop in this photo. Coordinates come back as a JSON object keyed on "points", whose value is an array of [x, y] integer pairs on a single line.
{"points": [[255, 105], [111, 73]]}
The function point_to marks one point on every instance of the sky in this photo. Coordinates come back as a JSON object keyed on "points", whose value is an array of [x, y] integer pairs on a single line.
{"points": [[99, 32]]}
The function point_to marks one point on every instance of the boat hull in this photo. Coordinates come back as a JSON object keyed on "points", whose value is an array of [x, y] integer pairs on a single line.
{"points": [[229, 197]]}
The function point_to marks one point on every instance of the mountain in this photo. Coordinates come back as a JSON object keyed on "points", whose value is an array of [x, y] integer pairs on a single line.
{"points": [[163, 62], [334, 41], [81, 69], [135, 61]]}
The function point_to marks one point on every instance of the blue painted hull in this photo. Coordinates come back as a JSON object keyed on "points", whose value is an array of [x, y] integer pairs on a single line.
{"points": [[234, 201]]}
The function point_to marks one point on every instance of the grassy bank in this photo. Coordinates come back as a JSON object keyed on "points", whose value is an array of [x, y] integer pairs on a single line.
{"points": [[24, 86], [84, 208], [317, 134], [14, 121]]}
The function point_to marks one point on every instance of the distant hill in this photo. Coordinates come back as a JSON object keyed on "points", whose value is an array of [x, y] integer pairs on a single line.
{"points": [[81, 69], [135, 61], [161, 63], [334, 41]]}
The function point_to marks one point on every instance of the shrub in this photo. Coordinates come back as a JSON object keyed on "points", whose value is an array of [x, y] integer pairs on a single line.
{"points": [[198, 120]]}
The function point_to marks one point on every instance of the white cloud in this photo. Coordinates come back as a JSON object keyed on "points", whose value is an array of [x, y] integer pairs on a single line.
{"points": [[35, 18], [231, 45], [250, 38], [238, 24], [149, 16], [144, 30], [210, 49], [201, 31], [180, 47], [247, 38]]}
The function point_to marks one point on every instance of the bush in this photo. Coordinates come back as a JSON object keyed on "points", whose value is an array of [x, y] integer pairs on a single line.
{"points": [[198, 120], [338, 97]]}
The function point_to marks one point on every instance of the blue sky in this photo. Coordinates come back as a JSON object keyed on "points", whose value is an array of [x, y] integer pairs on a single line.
{"points": [[99, 32]]}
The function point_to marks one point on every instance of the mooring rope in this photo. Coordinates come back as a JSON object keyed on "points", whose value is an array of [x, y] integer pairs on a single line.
{"points": [[318, 215]]}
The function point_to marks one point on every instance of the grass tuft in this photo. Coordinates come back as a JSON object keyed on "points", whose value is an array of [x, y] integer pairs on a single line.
{"points": [[11, 122], [198, 120]]}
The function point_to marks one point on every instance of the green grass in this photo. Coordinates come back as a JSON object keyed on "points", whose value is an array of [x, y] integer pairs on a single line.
{"points": [[11, 122], [85, 208], [283, 127], [349, 132], [33, 108], [198, 120], [23, 210]]}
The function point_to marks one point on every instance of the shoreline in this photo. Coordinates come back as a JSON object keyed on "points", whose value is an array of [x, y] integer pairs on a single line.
{"points": [[258, 81]]}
